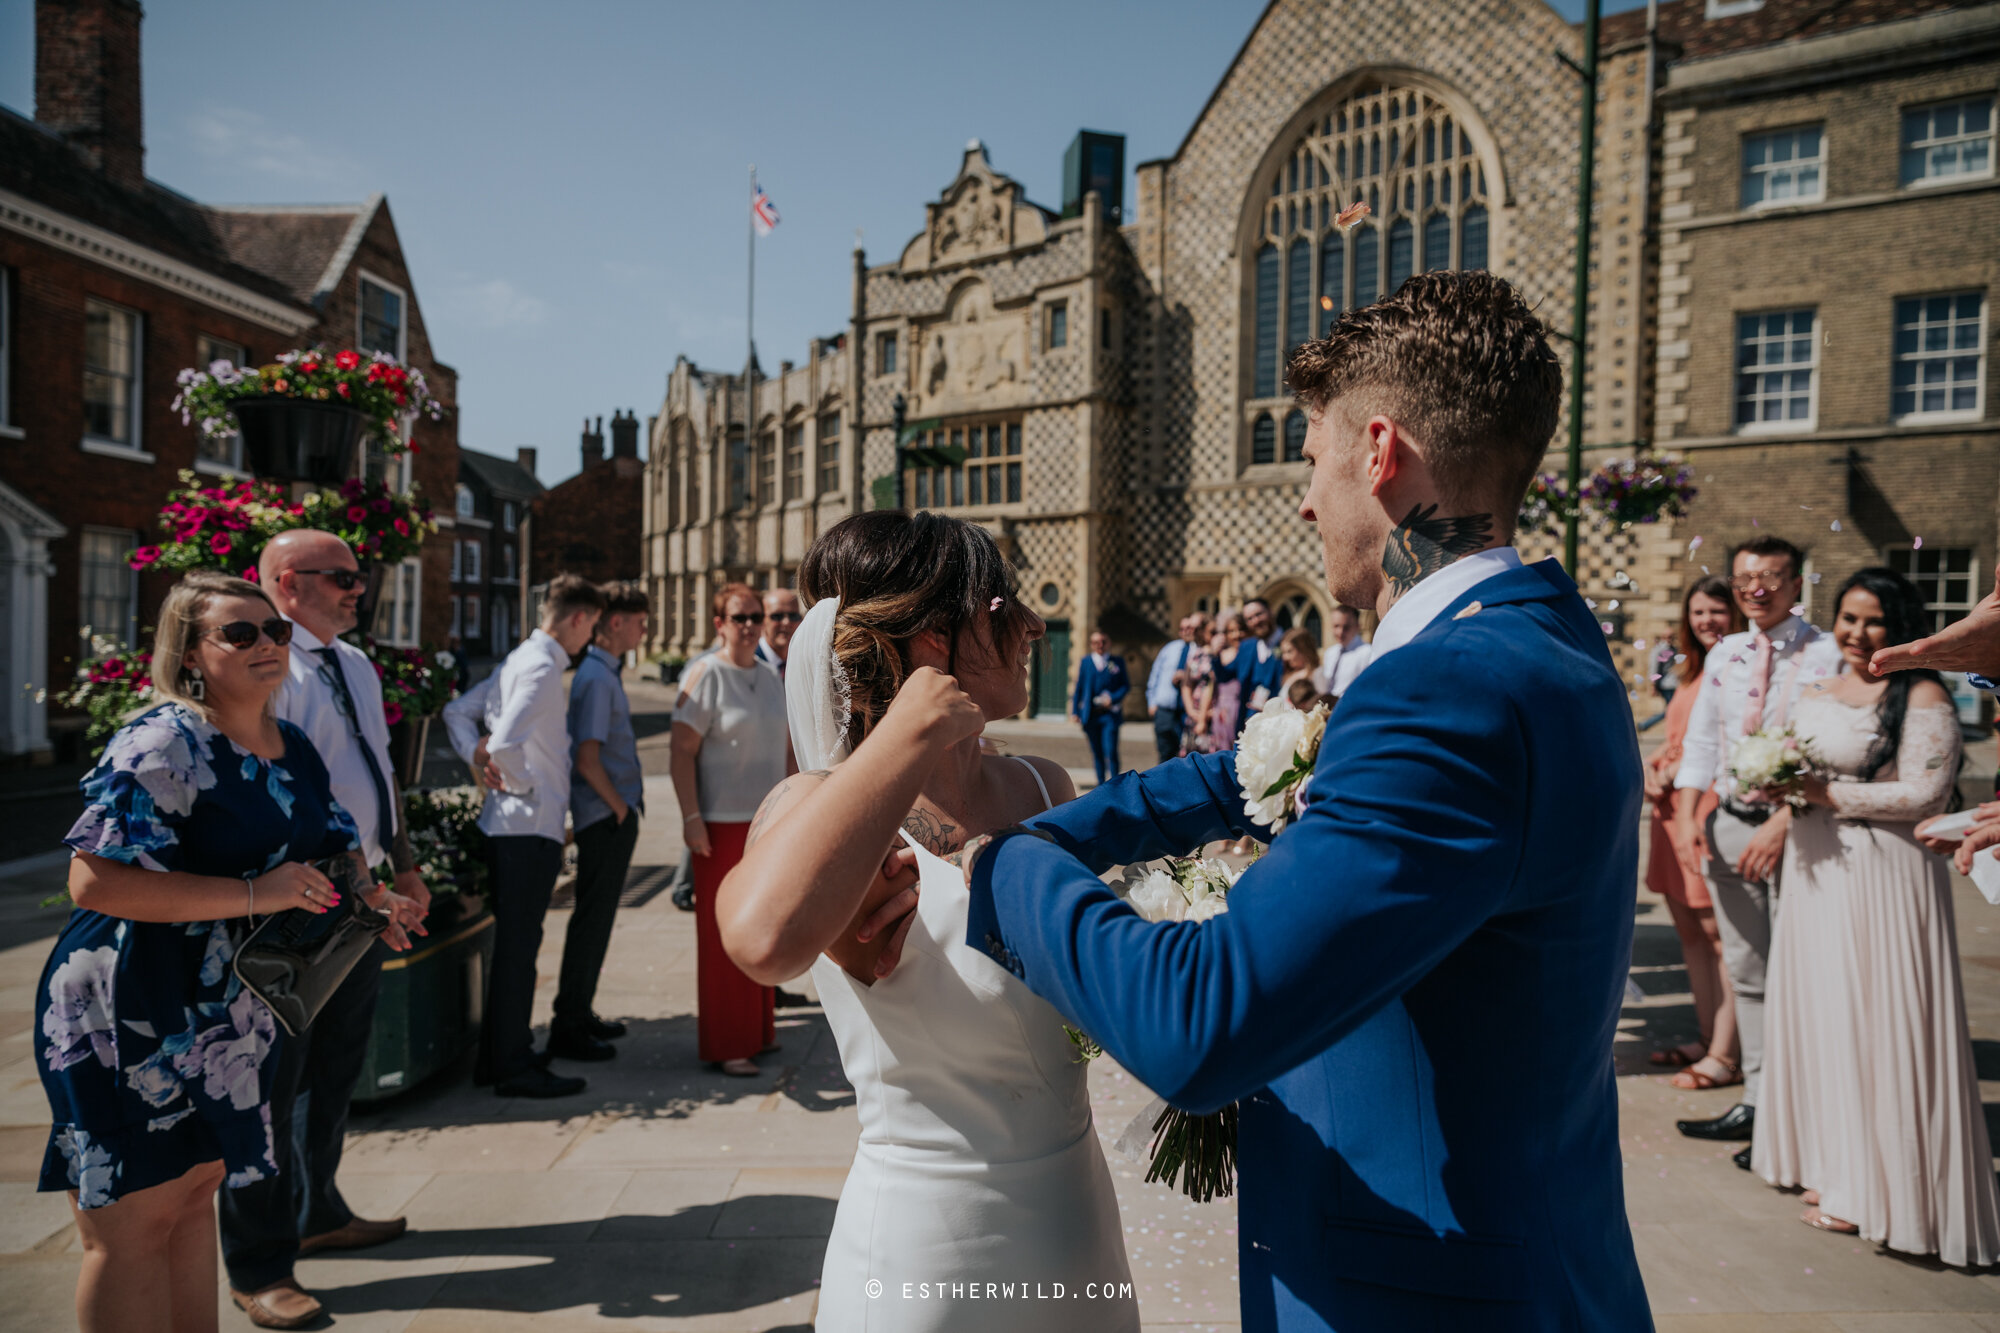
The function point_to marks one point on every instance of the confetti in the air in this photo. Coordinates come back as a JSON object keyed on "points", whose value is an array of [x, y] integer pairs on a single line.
{"points": [[1812, 578], [1798, 608], [1916, 543], [1606, 625], [1704, 569], [1590, 602], [1326, 303], [1694, 544], [1347, 218], [1614, 604], [1836, 525], [1755, 524], [1806, 507]]}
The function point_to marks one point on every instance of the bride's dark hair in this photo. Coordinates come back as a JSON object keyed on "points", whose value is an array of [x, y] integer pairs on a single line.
{"points": [[898, 575], [1904, 617]]}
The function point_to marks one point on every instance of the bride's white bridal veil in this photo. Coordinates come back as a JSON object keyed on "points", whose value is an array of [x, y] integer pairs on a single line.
{"points": [[817, 702]]}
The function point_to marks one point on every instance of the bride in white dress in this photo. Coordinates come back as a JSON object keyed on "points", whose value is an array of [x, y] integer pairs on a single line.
{"points": [[979, 1197]]}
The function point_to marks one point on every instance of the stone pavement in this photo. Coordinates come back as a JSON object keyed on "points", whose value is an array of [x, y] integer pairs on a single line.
{"points": [[670, 1197]]}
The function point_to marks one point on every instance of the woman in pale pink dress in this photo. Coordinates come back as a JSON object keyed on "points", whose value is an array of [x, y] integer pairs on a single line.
{"points": [[1870, 1098], [1673, 871]]}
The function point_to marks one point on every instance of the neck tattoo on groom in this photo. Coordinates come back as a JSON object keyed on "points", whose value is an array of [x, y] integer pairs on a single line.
{"points": [[1421, 545]]}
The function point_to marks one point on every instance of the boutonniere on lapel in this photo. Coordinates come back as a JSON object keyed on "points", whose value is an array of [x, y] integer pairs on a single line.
{"points": [[1275, 758]]}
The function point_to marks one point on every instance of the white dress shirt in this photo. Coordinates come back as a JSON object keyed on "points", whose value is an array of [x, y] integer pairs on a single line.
{"points": [[307, 700], [525, 710], [1340, 664], [1800, 654], [1417, 608], [1161, 692]]}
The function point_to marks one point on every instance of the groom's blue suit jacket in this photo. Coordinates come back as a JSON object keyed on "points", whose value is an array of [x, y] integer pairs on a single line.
{"points": [[1414, 993]]}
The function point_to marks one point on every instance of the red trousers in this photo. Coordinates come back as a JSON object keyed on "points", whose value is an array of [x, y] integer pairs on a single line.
{"points": [[734, 1016]]}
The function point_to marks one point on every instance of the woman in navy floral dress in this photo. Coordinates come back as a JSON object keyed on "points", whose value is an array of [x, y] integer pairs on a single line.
{"points": [[154, 1058]]}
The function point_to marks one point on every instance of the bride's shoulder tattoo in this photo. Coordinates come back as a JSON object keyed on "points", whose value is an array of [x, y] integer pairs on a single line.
{"points": [[937, 836], [762, 820]]}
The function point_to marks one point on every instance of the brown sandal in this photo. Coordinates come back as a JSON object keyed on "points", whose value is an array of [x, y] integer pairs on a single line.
{"points": [[1819, 1221], [1694, 1079]]}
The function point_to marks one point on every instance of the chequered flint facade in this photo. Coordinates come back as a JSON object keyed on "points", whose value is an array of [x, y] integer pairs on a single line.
{"points": [[1155, 446]]}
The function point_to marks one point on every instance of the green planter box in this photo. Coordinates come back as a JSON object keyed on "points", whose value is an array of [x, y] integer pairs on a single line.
{"points": [[432, 1001]]}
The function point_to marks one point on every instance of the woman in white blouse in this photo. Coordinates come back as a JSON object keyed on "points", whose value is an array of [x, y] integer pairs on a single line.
{"points": [[730, 747]]}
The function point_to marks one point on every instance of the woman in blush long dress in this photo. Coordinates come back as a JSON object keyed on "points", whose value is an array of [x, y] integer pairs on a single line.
{"points": [[1870, 1099], [1673, 870], [1226, 717], [978, 1168]]}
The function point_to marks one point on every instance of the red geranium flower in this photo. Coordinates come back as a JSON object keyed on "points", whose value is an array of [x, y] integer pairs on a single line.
{"points": [[356, 514], [144, 556], [220, 543], [347, 359], [114, 667], [341, 388], [392, 712], [251, 573], [402, 528], [381, 504]]}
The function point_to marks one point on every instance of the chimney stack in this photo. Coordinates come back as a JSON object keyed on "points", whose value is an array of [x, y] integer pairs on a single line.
{"points": [[593, 444], [525, 456], [87, 83], [625, 435]]}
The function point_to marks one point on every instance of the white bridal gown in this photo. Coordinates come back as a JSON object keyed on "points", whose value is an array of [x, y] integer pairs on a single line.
{"points": [[978, 1161]]}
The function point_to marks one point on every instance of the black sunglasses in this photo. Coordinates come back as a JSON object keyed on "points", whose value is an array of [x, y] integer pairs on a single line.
{"points": [[243, 633], [748, 618], [786, 617], [344, 579]]}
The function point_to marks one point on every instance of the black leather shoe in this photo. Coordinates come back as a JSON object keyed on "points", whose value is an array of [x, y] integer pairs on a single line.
{"points": [[604, 1029], [1737, 1124], [684, 897], [539, 1082], [1741, 1158], [577, 1044]]}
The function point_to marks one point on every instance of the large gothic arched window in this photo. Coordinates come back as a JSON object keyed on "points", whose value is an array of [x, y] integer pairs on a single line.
{"points": [[1405, 153]]}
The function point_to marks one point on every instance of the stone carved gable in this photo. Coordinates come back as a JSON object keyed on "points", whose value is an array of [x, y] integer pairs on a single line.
{"points": [[980, 213]]}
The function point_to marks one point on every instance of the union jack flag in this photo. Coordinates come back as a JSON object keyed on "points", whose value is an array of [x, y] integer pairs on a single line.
{"points": [[763, 213]]}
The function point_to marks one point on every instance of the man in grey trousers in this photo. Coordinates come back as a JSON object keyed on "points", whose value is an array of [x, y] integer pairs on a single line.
{"points": [[1753, 681]]}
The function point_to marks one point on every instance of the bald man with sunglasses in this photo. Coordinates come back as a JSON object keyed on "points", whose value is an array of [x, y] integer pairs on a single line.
{"points": [[333, 695]]}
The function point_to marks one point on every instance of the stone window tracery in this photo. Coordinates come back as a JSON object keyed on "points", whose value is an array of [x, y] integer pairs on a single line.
{"points": [[1404, 152]]}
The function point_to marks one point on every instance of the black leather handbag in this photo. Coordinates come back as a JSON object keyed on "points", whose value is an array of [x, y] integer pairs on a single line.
{"points": [[296, 959]]}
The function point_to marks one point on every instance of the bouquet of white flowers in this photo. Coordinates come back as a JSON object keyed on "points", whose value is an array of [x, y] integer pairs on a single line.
{"points": [[1194, 1153], [1773, 760], [1275, 758]]}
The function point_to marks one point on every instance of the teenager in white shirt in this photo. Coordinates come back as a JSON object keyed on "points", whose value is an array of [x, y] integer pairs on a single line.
{"points": [[332, 694], [1752, 681], [524, 764]]}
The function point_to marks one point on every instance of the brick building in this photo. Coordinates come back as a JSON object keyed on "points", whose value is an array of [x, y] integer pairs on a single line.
{"points": [[109, 284], [489, 550], [1135, 355], [1829, 244], [590, 524]]}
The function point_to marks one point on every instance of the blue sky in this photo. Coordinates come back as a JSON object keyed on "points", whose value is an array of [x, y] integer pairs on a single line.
{"points": [[570, 181]]}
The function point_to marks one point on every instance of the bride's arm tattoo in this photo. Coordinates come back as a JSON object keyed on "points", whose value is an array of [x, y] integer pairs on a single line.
{"points": [[937, 836], [761, 822]]}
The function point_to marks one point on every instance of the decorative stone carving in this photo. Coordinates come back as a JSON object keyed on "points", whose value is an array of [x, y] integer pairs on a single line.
{"points": [[980, 213], [976, 358]]}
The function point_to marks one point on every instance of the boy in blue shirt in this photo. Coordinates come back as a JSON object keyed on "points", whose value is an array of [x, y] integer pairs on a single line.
{"points": [[607, 794]]}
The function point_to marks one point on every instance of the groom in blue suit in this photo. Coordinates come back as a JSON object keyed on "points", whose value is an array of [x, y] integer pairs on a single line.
{"points": [[1466, 858]]}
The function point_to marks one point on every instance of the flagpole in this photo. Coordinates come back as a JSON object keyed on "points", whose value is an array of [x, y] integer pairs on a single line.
{"points": [[750, 356]]}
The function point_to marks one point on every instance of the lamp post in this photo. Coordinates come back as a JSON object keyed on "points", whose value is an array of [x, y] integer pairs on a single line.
{"points": [[1580, 307]]}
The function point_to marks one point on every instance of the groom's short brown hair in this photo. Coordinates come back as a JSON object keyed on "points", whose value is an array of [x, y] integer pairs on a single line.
{"points": [[1462, 363]]}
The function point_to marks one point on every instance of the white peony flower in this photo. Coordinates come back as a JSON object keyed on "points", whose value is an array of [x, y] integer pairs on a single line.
{"points": [[1201, 909], [446, 661], [1153, 894], [1269, 743], [1755, 760]]}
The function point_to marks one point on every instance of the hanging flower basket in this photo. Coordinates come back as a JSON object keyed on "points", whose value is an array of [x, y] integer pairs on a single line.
{"points": [[225, 524], [1545, 508], [296, 439], [278, 408], [1639, 490]]}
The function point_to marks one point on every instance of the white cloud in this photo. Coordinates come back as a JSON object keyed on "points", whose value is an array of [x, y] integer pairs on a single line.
{"points": [[496, 304], [247, 141]]}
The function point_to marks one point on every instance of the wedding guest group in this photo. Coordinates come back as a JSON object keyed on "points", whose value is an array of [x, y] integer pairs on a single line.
{"points": [[333, 696], [1673, 868], [1098, 703], [524, 763], [203, 812], [607, 797], [1871, 1097], [1753, 681], [730, 748]]}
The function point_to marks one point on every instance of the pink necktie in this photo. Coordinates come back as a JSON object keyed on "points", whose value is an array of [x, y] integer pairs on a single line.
{"points": [[1760, 684]]}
